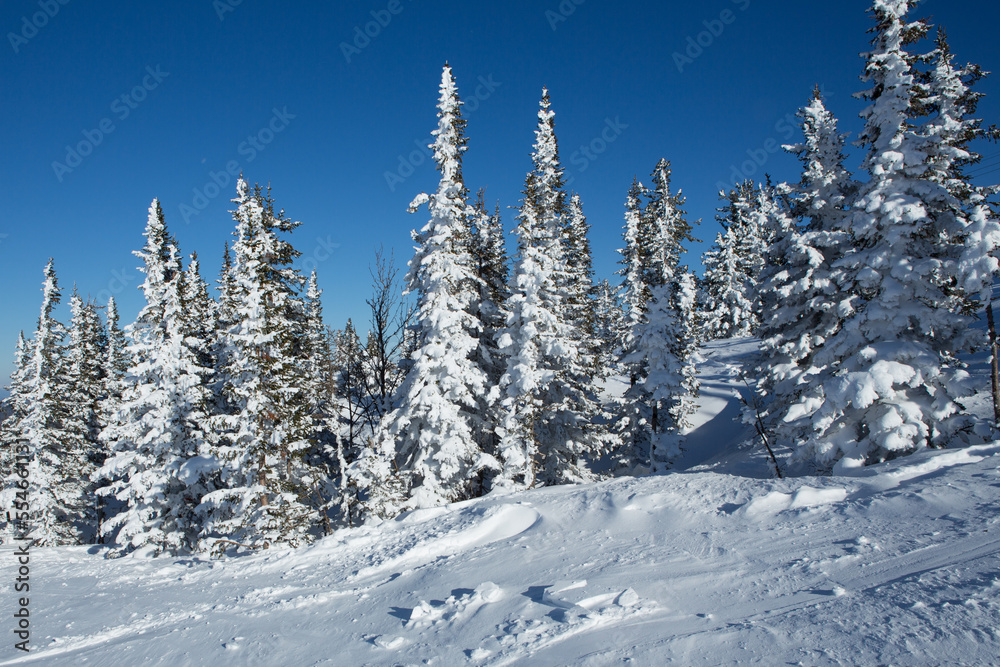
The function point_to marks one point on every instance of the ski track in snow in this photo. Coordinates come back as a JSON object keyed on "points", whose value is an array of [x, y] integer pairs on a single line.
{"points": [[898, 564]]}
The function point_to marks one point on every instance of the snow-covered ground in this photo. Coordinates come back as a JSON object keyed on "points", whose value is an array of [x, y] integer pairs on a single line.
{"points": [[716, 564]]}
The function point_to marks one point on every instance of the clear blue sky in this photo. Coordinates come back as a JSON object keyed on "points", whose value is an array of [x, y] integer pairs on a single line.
{"points": [[183, 86]]}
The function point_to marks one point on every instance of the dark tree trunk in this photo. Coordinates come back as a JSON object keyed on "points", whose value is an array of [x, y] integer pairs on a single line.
{"points": [[995, 363]]}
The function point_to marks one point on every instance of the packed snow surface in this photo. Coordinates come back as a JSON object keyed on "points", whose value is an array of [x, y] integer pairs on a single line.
{"points": [[898, 564]]}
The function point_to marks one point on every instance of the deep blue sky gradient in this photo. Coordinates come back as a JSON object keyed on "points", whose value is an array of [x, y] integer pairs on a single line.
{"points": [[350, 124]]}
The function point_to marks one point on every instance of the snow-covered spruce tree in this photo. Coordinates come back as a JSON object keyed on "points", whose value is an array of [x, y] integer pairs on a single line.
{"points": [[670, 229], [609, 322], [654, 440], [14, 449], [634, 256], [489, 258], [579, 311], [318, 370], [754, 231], [768, 215], [891, 382], [16, 404], [84, 356], [727, 312], [580, 289], [317, 356], [949, 98], [159, 463], [489, 255], [667, 225], [685, 349], [222, 341], [660, 348], [632, 423], [265, 441], [199, 313], [551, 415], [115, 364], [57, 472], [319, 392], [431, 433], [732, 268], [528, 340], [802, 302]]}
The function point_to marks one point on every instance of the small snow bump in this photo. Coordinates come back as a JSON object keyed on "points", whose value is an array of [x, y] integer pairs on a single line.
{"points": [[479, 654], [421, 611], [390, 643], [627, 598], [489, 592]]}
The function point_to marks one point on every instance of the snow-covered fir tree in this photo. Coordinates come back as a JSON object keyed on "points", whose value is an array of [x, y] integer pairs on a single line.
{"points": [[12, 443], [802, 299], [726, 310], [489, 258], [265, 441], [318, 363], [431, 433], [115, 364], [580, 305], [634, 255], [659, 349], [16, 404], [769, 213], [732, 267], [528, 339], [667, 226], [199, 312], [552, 420], [586, 373], [682, 404], [84, 356], [222, 341], [159, 464], [609, 322], [57, 472], [890, 381], [950, 98], [632, 423], [319, 394]]}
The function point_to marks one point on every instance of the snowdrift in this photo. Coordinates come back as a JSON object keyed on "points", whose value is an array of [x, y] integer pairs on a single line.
{"points": [[898, 566]]}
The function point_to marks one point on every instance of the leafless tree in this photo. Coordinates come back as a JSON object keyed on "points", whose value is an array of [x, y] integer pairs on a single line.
{"points": [[390, 315]]}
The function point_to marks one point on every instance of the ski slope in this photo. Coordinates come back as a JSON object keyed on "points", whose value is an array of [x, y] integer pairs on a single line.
{"points": [[899, 565]]}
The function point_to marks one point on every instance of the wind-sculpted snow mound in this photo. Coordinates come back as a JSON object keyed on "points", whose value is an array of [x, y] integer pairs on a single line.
{"points": [[427, 535], [804, 497], [900, 565]]}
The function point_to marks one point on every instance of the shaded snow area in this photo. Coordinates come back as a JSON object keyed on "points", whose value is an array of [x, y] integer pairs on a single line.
{"points": [[898, 565]]}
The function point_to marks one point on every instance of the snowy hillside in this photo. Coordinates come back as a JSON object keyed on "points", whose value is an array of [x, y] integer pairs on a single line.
{"points": [[899, 565]]}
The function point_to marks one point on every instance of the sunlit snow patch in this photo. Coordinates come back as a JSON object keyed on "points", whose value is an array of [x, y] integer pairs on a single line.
{"points": [[804, 497]]}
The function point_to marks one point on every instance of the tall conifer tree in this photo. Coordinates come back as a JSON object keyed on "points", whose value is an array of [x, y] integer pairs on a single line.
{"points": [[431, 433]]}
